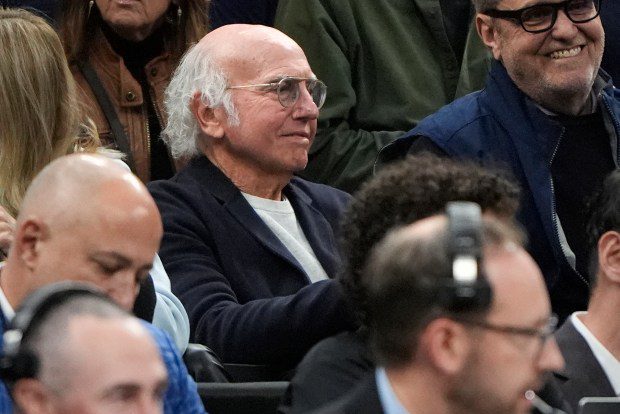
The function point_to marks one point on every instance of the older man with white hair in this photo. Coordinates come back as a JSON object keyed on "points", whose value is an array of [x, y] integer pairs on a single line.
{"points": [[249, 248]]}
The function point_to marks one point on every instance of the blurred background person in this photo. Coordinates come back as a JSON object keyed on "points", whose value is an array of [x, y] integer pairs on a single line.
{"points": [[41, 121], [122, 56], [39, 111]]}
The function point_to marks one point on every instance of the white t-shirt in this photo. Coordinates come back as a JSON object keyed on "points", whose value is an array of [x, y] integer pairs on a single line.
{"points": [[280, 217]]}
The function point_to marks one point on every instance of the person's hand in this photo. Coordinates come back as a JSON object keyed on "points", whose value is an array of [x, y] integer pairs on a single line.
{"points": [[7, 230]]}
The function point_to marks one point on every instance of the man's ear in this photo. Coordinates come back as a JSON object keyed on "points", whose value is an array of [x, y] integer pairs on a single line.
{"points": [[609, 255], [28, 238], [488, 33], [446, 344], [209, 119], [31, 396]]}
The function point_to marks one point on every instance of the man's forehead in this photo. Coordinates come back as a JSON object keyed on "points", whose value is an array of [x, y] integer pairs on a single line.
{"points": [[519, 4], [268, 63]]}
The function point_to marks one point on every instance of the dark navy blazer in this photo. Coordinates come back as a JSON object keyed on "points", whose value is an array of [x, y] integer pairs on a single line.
{"points": [[246, 295], [582, 376]]}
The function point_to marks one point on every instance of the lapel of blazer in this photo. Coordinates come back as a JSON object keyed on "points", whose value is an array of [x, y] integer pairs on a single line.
{"points": [[316, 228], [581, 366], [214, 181]]}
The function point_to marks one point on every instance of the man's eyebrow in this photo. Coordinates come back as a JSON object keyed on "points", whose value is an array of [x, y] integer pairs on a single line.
{"points": [[106, 255], [122, 387]]}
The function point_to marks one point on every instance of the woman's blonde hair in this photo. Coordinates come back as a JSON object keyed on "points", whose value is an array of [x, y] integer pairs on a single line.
{"points": [[39, 112]]}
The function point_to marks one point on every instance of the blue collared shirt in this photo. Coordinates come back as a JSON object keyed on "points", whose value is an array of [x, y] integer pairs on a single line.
{"points": [[389, 400]]}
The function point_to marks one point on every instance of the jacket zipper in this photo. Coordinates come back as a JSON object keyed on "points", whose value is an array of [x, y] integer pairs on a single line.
{"points": [[145, 113], [554, 213]]}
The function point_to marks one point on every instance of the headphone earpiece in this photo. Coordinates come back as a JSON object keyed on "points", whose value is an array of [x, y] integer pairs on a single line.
{"points": [[469, 289]]}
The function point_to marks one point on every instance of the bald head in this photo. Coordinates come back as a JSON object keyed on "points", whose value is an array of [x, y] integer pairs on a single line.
{"points": [[239, 48], [84, 218], [73, 188]]}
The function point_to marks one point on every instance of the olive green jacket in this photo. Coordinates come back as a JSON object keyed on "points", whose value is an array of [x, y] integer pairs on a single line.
{"points": [[387, 64]]}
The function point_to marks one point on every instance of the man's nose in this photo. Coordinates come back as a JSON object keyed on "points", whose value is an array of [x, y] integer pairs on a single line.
{"points": [[563, 27], [124, 292], [551, 358], [305, 106]]}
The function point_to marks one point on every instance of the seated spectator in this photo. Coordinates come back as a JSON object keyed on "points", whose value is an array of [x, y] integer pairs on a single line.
{"points": [[122, 55], [36, 131], [224, 12], [589, 340], [445, 356], [546, 115], [90, 355], [85, 218], [387, 64], [402, 193], [250, 249]]}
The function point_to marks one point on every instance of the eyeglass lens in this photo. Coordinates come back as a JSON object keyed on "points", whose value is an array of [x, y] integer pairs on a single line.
{"points": [[288, 91], [542, 17]]}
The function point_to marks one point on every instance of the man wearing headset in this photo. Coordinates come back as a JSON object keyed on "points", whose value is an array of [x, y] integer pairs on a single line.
{"points": [[447, 351], [49, 356]]}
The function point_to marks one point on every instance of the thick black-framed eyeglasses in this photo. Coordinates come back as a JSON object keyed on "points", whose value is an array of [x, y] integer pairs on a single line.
{"points": [[541, 17], [288, 90], [543, 334]]}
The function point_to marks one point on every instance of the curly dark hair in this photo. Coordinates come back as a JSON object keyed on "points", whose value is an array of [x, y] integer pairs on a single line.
{"points": [[408, 190]]}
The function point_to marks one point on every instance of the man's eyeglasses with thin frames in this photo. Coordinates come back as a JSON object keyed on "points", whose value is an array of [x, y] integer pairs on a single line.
{"points": [[288, 90]]}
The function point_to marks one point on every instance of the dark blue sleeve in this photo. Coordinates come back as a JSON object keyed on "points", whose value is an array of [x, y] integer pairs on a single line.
{"points": [[6, 403], [182, 395]]}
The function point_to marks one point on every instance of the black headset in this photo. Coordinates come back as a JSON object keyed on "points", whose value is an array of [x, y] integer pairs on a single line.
{"points": [[468, 289], [16, 362]]}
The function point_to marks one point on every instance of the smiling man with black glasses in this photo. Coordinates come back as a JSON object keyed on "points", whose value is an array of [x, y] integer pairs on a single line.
{"points": [[550, 116]]}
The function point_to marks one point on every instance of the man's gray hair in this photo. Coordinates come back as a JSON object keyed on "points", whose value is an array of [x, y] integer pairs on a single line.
{"points": [[197, 73]]}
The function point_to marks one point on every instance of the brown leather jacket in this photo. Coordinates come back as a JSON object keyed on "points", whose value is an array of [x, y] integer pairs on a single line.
{"points": [[125, 93]]}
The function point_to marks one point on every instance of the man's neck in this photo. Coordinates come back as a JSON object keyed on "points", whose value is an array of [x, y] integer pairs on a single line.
{"points": [[570, 105], [250, 179], [602, 318], [414, 387]]}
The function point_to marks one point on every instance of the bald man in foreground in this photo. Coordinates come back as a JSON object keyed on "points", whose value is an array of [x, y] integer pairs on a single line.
{"points": [[86, 218], [249, 248]]}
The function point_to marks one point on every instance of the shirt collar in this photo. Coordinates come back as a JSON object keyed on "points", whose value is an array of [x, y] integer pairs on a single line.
{"points": [[389, 400], [609, 363]]}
